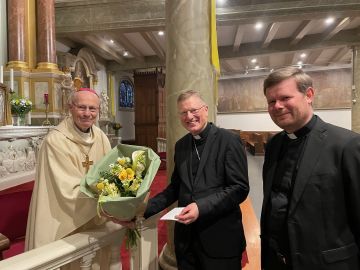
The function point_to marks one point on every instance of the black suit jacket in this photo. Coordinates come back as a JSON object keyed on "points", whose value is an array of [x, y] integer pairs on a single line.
{"points": [[220, 185], [324, 212]]}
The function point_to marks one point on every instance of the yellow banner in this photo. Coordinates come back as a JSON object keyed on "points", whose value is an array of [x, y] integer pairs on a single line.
{"points": [[213, 35], [214, 50], [113, 103]]}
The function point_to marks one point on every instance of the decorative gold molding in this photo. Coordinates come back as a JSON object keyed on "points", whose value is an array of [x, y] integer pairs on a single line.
{"points": [[17, 64], [47, 66]]}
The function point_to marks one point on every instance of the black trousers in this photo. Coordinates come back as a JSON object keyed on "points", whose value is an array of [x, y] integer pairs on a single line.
{"points": [[275, 262], [196, 259]]}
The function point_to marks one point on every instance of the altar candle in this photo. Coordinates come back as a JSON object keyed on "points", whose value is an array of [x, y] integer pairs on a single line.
{"points": [[46, 98], [1, 74], [12, 79]]}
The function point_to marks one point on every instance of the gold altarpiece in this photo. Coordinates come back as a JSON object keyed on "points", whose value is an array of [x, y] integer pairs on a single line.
{"points": [[5, 111]]}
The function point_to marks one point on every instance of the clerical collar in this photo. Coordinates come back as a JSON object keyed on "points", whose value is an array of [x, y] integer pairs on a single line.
{"points": [[87, 136], [79, 130], [203, 134], [304, 130]]}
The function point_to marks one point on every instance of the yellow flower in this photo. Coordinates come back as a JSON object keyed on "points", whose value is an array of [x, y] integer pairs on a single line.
{"points": [[130, 173], [123, 175], [122, 161], [134, 187], [100, 186]]}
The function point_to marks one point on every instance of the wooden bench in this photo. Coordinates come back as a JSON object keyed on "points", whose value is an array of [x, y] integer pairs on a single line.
{"points": [[255, 141]]}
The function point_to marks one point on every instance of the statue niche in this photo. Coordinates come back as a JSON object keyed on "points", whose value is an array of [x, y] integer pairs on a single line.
{"points": [[104, 105], [67, 86], [81, 74]]}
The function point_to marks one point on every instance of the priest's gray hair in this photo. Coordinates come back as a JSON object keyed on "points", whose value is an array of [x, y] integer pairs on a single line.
{"points": [[303, 80], [72, 98], [185, 94]]}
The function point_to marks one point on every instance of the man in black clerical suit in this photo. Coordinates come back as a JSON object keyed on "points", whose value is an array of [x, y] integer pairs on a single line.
{"points": [[209, 180], [310, 217]]}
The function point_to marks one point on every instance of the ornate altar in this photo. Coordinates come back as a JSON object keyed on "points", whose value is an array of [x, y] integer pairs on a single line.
{"points": [[18, 151]]}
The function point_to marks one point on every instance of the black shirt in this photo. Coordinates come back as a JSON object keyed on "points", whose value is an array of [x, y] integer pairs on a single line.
{"points": [[198, 145], [281, 190]]}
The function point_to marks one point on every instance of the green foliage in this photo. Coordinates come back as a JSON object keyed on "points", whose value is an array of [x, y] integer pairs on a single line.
{"points": [[20, 106]]}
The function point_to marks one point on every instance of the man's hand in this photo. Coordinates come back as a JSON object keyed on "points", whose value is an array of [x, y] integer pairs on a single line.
{"points": [[189, 214], [131, 224]]}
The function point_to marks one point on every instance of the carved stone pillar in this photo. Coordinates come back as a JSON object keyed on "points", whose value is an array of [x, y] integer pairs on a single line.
{"points": [[188, 66], [17, 33], [355, 95], [46, 49]]}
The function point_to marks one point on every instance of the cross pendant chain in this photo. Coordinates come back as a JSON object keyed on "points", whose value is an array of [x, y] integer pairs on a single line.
{"points": [[86, 164], [197, 152]]}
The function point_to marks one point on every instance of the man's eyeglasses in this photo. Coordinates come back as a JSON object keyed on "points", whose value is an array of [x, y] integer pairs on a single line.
{"points": [[83, 108], [192, 111]]}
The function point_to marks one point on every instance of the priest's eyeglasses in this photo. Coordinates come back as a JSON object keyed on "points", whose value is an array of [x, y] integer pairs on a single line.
{"points": [[83, 108], [192, 111]]}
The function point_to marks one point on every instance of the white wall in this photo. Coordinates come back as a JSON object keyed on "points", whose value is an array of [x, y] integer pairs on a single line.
{"points": [[3, 33], [263, 122], [127, 120]]}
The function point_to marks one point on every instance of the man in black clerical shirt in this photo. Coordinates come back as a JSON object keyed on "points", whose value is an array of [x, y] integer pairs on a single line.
{"points": [[210, 180], [311, 209]]}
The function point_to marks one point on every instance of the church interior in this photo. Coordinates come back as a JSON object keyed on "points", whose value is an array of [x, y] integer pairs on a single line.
{"points": [[138, 55]]}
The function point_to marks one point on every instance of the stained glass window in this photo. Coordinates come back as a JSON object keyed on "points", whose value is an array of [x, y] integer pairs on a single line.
{"points": [[126, 94]]}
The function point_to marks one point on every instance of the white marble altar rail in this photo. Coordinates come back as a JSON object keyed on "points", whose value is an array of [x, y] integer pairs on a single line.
{"points": [[14, 132], [85, 245]]}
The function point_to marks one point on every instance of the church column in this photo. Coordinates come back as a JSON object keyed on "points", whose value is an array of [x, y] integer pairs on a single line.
{"points": [[187, 67], [46, 34], [17, 34], [3, 34], [355, 92]]}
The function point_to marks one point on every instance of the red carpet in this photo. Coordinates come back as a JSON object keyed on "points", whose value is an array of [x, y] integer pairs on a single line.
{"points": [[158, 185]]}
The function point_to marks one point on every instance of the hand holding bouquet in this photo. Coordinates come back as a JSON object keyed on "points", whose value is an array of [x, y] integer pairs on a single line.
{"points": [[121, 181]]}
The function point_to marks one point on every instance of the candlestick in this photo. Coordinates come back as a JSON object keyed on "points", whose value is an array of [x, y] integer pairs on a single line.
{"points": [[46, 98], [12, 79], [1, 74], [46, 122]]}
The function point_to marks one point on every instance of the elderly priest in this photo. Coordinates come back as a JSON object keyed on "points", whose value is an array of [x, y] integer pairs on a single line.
{"points": [[57, 208]]}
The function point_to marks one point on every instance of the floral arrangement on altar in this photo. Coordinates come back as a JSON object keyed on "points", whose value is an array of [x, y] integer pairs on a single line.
{"points": [[20, 106], [120, 183], [116, 125]]}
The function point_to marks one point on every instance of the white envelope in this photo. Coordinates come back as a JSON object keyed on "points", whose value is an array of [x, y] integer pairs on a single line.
{"points": [[171, 214]]}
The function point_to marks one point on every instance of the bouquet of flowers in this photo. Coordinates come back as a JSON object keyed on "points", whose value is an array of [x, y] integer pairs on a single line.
{"points": [[20, 106], [120, 182]]}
